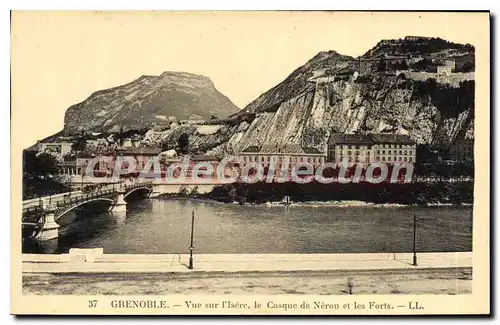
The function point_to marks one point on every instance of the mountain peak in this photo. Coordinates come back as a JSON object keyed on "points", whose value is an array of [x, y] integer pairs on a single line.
{"points": [[149, 101], [181, 74]]}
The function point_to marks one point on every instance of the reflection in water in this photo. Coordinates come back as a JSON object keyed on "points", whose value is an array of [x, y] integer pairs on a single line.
{"points": [[119, 216], [163, 226], [45, 247]]}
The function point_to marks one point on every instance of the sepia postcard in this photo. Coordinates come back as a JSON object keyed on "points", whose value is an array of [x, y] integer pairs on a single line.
{"points": [[250, 163]]}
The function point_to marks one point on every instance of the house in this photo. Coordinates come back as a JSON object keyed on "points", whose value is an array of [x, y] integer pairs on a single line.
{"points": [[142, 155], [108, 158], [96, 143], [82, 159], [131, 142], [57, 148]]}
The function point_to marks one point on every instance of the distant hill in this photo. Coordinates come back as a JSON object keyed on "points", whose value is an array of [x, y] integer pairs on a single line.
{"points": [[149, 101]]}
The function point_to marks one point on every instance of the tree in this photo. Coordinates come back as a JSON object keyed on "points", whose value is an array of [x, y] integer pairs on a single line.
{"points": [[41, 175], [121, 136], [232, 193], [183, 143], [183, 190], [80, 143]]}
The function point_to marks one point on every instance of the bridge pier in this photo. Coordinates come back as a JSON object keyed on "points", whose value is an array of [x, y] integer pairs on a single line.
{"points": [[120, 203], [50, 228], [120, 217]]}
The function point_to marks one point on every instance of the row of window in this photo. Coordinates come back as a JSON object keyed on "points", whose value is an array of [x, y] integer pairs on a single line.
{"points": [[389, 152], [354, 147], [389, 158], [387, 146], [401, 152], [312, 160], [356, 159]]}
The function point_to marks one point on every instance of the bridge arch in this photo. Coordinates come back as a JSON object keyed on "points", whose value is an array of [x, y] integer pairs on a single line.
{"points": [[136, 189], [101, 199]]}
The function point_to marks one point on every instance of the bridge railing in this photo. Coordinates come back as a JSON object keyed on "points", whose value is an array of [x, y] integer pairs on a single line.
{"points": [[36, 208], [32, 214], [71, 200], [137, 185], [82, 198]]}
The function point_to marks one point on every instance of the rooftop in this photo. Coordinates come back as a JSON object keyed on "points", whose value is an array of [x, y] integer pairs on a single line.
{"points": [[282, 149], [251, 149], [143, 151], [204, 158], [392, 138], [340, 138]]}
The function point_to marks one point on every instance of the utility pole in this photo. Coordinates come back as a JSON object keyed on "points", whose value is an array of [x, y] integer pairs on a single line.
{"points": [[191, 248], [414, 239]]}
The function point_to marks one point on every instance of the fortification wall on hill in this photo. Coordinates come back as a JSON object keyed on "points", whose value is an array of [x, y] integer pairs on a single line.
{"points": [[453, 78]]}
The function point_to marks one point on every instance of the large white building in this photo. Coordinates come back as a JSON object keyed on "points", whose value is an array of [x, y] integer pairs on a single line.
{"points": [[57, 148], [370, 148]]}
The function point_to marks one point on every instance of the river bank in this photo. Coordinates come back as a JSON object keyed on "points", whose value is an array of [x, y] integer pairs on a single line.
{"points": [[385, 193], [309, 204], [338, 195]]}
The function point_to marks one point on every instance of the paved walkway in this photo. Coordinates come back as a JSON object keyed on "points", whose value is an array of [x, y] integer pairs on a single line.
{"points": [[93, 260]]}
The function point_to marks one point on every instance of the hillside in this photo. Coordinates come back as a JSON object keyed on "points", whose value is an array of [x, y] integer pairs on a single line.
{"points": [[331, 94], [299, 81], [394, 88], [149, 101]]}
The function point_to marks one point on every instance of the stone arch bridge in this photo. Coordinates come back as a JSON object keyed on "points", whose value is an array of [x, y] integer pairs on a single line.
{"points": [[40, 220]]}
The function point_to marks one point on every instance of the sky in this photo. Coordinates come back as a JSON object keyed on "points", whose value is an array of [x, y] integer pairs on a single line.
{"points": [[59, 58]]}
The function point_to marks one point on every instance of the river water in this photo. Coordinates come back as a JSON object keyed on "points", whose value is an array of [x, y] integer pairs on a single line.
{"points": [[163, 226]]}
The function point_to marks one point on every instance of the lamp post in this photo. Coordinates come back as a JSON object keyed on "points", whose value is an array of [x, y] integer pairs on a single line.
{"points": [[414, 239], [191, 248]]}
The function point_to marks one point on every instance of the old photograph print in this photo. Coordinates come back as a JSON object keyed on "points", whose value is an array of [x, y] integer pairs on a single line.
{"points": [[244, 162]]}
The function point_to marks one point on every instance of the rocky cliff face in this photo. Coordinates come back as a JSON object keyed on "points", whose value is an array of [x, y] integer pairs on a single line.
{"points": [[149, 101], [375, 105], [299, 81], [329, 95]]}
